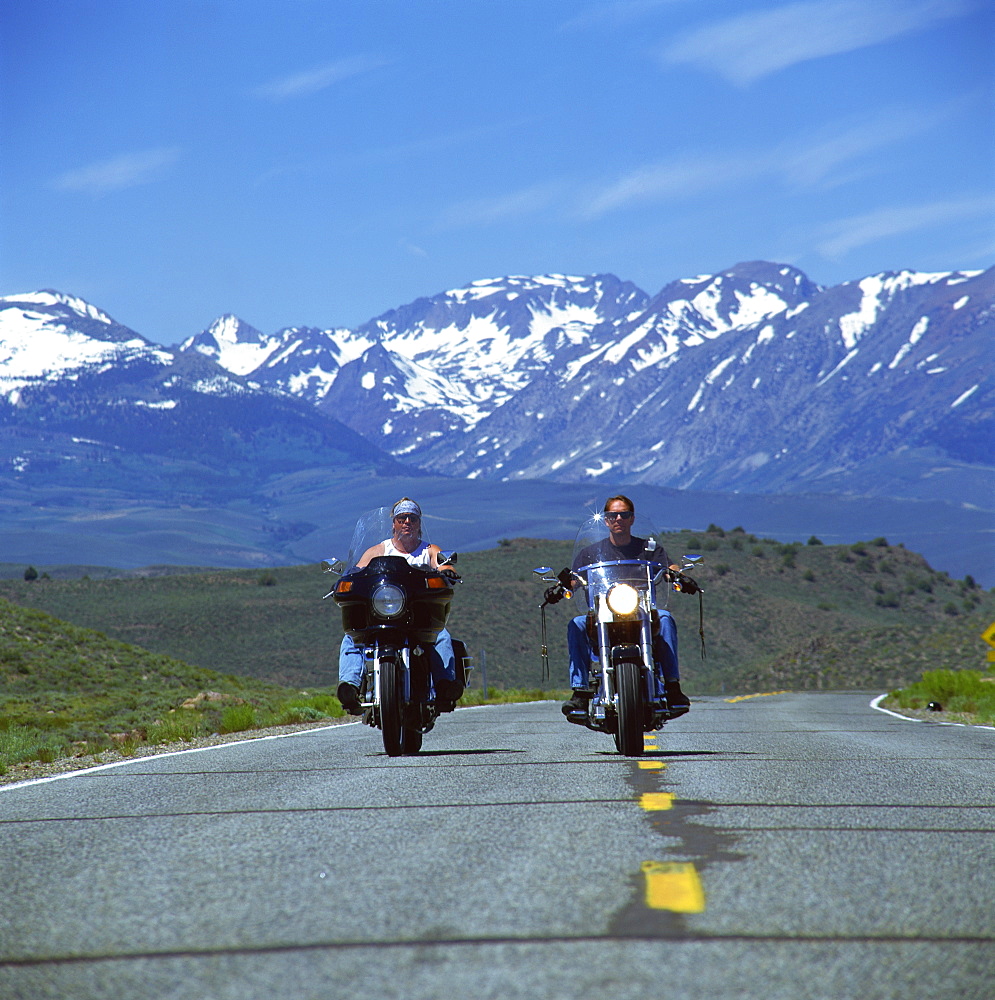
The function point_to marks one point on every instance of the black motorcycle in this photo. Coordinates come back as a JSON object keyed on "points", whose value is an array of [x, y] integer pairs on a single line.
{"points": [[622, 598], [394, 613]]}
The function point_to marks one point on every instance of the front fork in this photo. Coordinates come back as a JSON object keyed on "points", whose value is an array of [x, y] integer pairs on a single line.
{"points": [[602, 669], [374, 656]]}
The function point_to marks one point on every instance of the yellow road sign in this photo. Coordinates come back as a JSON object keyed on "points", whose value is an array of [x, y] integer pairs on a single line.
{"points": [[989, 634]]}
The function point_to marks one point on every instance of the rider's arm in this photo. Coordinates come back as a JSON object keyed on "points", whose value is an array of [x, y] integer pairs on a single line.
{"points": [[371, 553]]}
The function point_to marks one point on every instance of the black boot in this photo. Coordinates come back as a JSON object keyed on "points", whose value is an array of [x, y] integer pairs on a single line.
{"points": [[348, 695], [677, 701], [447, 693], [576, 707]]}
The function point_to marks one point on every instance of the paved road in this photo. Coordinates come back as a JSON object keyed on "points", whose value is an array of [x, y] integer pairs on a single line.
{"points": [[785, 846]]}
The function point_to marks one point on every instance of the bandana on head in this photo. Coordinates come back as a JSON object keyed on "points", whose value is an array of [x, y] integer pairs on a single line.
{"points": [[406, 507]]}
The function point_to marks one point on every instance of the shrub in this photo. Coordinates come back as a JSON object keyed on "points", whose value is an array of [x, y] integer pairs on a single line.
{"points": [[238, 718], [293, 714], [31, 573], [182, 725], [267, 580], [813, 541]]}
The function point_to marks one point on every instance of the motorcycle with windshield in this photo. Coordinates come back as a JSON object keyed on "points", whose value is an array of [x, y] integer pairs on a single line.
{"points": [[394, 612], [622, 598]]}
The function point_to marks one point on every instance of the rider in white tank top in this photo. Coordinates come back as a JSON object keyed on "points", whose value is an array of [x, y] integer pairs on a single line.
{"points": [[421, 556]]}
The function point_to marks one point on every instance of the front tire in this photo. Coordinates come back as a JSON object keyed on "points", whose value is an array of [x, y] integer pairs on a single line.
{"points": [[631, 709], [410, 741], [391, 690]]}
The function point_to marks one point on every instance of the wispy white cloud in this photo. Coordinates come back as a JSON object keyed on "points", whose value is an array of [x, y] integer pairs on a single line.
{"points": [[753, 45], [673, 180], [486, 211], [845, 235], [823, 159], [311, 81], [125, 171]]}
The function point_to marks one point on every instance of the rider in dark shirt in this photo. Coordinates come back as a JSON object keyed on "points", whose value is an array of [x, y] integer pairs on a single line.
{"points": [[619, 514]]}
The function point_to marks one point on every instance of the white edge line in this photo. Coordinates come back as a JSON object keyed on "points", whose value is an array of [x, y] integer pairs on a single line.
{"points": [[177, 753], [876, 704], [171, 753]]}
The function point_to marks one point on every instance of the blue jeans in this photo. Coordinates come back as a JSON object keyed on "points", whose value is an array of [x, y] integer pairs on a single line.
{"points": [[664, 651], [441, 660]]}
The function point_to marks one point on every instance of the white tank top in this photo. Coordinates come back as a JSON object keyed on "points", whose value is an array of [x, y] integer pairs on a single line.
{"points": [[421, 556]]}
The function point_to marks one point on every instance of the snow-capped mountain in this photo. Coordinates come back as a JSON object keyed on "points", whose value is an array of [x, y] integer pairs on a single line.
{"points": [[47, 336], [754, 378], [85, 400]]}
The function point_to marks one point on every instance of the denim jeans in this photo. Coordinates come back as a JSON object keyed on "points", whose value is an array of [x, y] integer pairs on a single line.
{"points": [[441, 660], [664, 651]]}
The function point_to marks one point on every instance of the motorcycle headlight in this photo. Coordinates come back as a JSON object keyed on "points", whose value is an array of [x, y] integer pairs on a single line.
{"points": [[388, 600], [623, 599]]}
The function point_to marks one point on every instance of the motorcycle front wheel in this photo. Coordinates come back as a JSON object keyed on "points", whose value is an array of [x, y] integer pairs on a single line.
{"points": [[391, 692], [410, 741], [628, 684]]}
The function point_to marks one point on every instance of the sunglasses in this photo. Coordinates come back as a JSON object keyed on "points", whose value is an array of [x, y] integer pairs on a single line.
{"points": [[406, 517], [626, 515]]}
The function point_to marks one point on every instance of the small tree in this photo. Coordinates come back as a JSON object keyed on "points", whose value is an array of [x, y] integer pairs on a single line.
{"points": [[31, 573]]}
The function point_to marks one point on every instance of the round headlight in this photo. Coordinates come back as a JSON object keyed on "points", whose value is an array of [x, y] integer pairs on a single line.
{"points": [[623, 599], [388, 600]]}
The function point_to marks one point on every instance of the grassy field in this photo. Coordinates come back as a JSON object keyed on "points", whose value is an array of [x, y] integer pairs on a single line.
{"points": [[801, 616]]}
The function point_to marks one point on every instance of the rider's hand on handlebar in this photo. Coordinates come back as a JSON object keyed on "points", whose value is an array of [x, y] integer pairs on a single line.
{"points": [[554, 595], [684, 584], [450, 574]]}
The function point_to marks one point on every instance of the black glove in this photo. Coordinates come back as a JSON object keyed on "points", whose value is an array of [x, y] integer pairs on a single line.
{"points": [[686, 585], [554, 595], [450, 575]]}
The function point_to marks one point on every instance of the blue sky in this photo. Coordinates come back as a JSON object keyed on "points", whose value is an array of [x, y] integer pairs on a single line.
{"points": [[319, 162]]}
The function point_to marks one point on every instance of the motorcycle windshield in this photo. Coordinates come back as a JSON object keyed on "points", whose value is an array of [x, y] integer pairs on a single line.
{"points": [[601, 560], [373, 527]]}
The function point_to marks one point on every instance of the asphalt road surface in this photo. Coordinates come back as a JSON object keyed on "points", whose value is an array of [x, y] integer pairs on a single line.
{"points": [[779, 846]]}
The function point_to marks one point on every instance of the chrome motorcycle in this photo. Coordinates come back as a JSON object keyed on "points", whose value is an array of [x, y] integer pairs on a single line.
{"points": [[622, 598], [394, 613]]}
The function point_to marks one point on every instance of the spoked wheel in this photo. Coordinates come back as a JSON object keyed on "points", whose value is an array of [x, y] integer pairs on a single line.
{"points": [[410, 740], [631, 710], [390, 707]]}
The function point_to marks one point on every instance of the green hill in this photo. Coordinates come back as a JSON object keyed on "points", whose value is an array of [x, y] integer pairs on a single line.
{"points": [[798, 616]]}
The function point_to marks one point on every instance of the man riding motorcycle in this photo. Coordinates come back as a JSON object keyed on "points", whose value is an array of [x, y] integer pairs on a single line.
{"points": [[619, 514], [406, 542]]}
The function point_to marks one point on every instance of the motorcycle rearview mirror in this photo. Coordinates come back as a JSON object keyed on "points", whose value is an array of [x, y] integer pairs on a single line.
{"points": [[542, 570], [692, 559], [332, 565], [448, 558]]}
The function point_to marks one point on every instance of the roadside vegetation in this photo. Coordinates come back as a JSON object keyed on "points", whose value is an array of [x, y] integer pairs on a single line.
{"points": [[950, 695]]}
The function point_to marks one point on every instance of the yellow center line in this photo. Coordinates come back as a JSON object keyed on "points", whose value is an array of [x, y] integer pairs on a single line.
{"points": [[651, 765], [673, 886], [762, 694], [655, 801]]}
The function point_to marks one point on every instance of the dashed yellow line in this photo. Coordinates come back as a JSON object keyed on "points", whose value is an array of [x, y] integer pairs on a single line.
{"points": [[673, 886], [763, 694], [655, 801], [651, 765]]}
